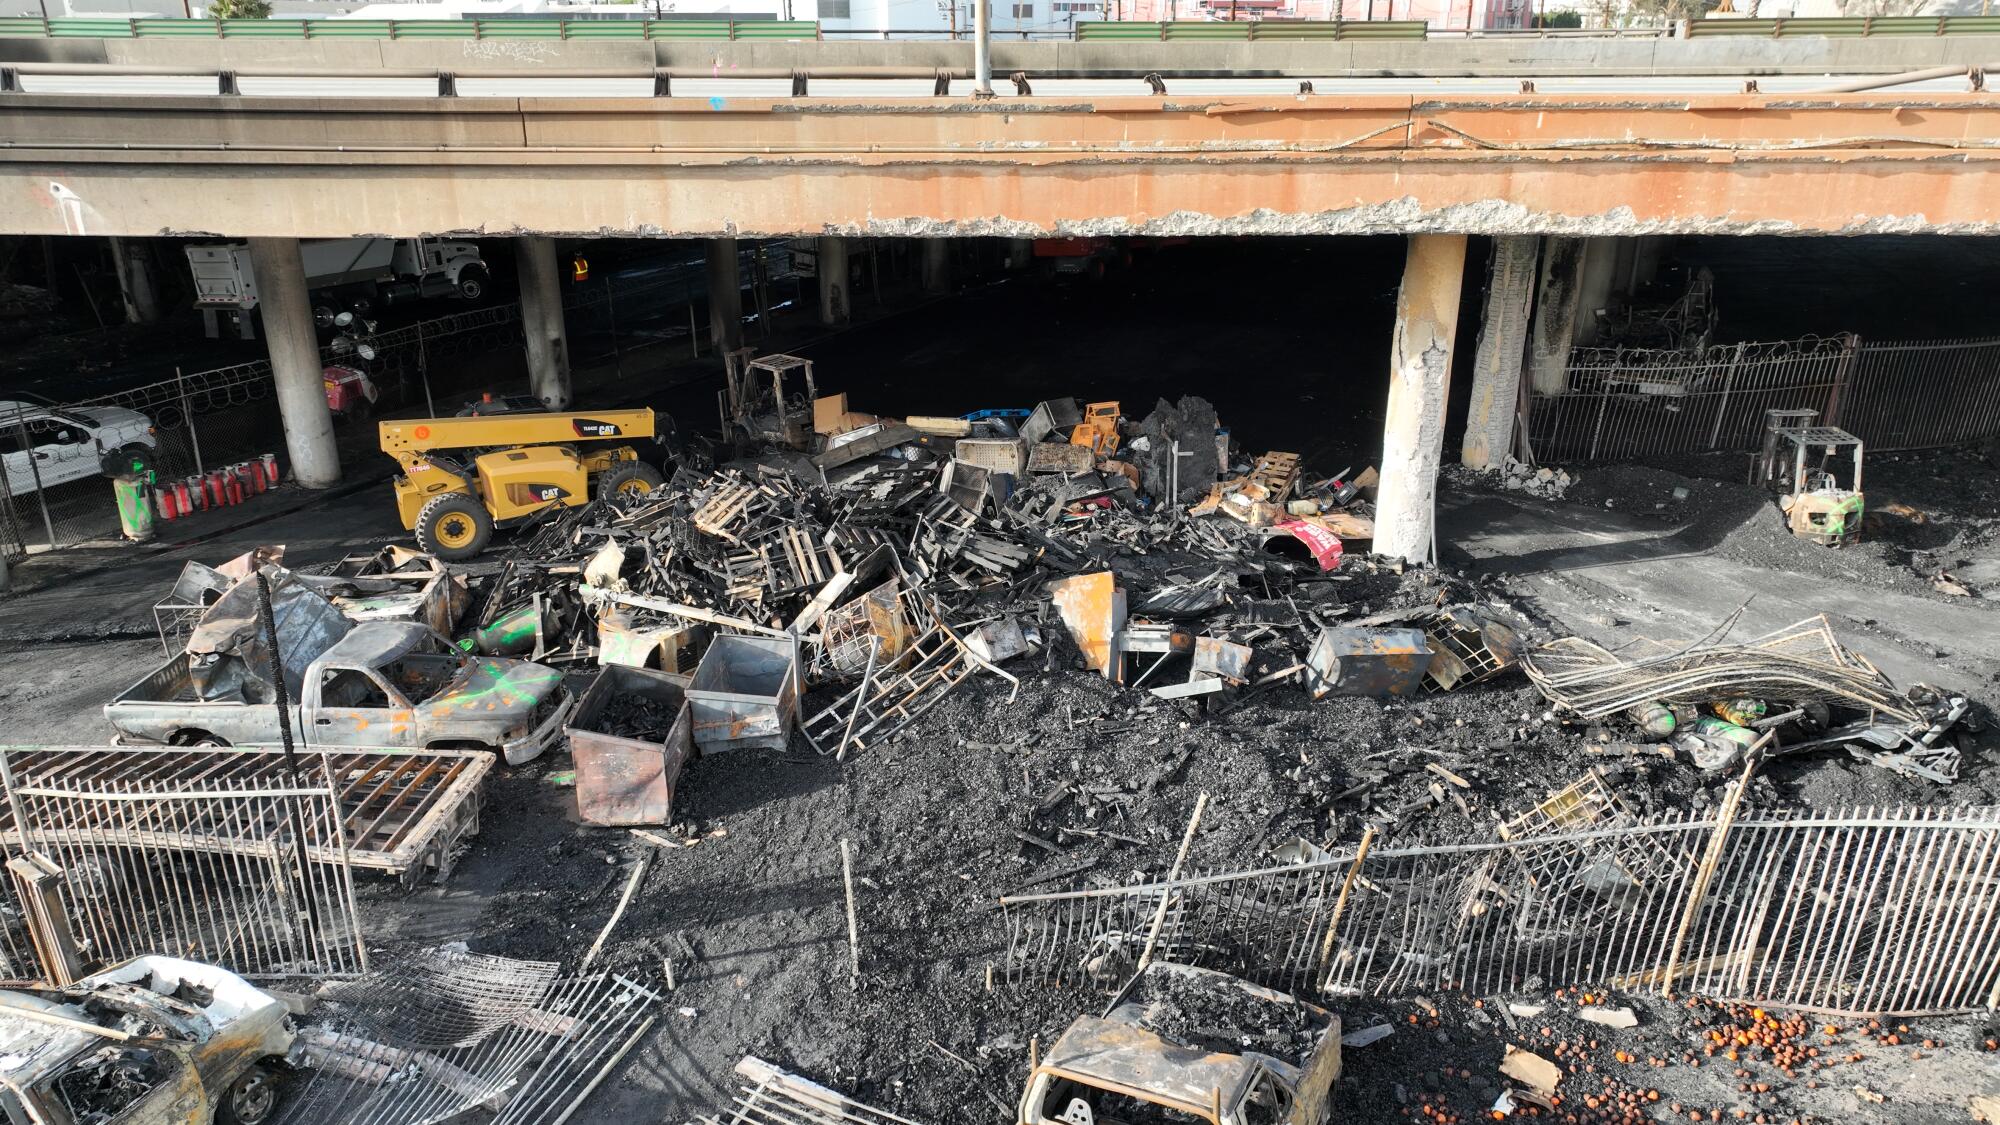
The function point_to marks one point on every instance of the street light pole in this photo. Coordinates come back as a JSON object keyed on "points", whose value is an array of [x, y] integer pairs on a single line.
{"points": [[982, 48]]}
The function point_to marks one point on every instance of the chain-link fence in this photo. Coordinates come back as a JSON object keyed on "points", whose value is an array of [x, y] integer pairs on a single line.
{"points": [[1621, 403], [626, 310], [54, 492]]}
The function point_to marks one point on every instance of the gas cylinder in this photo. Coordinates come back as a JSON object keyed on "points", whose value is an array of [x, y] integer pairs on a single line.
{"points": [[135, 511]]}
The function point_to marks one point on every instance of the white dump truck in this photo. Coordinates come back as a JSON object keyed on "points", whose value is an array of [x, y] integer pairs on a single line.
{"points": [[340, 272]]}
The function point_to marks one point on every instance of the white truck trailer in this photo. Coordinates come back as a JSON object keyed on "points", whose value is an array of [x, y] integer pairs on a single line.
{"points": [[351, 272]]}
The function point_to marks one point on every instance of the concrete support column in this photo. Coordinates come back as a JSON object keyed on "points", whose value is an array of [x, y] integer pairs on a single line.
{"points": [[935, 269], [1645, 261], [833, 281], [542, 321], [725, 295], [1600, 280], [1020, 253], [1557, 298], [1419, 384], [1503, 345], [135, 281], [295, 365]]}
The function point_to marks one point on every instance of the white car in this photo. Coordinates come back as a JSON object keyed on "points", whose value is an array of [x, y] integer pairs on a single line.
{"points": [[43, 445]]}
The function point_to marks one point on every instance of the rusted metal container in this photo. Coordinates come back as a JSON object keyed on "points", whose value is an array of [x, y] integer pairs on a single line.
{"points": [[1367, 662], [623, 780], [745, 693]]}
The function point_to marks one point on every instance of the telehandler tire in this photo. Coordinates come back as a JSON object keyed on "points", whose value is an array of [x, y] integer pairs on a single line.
{"points": [[454, 527], [629, 478]]}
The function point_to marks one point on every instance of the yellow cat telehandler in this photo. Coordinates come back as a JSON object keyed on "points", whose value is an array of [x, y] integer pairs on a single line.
{"points": [[501, 461]]}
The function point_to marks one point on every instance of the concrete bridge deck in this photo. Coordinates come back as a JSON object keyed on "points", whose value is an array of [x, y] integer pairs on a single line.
{"points": [[1503, 164]]}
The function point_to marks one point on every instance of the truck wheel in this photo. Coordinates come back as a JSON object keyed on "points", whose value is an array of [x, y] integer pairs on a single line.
{"points": [[454, 527], [472, 284], [253, 1100], [195, 738], [134, 458], [628, 478]]}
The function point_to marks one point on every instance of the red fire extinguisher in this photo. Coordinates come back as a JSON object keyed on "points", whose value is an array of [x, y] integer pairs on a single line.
{"points": [[271, 469], [182, 499], [163, 502]]}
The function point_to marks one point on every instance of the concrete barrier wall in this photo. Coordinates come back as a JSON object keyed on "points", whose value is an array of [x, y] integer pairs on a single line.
{"points": [[1509, 57]]}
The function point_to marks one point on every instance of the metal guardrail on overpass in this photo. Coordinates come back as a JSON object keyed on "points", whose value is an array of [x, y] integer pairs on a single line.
{"points": [[1847, 27], [1247, 31], [1087, 31]]}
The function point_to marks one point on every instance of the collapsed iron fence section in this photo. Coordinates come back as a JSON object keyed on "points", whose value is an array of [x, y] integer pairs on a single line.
{"points": [[443, 1032], [1801, 662], [770, 1096], [218, 869], [1620, 403], [1892, 911], [1876, 911]]}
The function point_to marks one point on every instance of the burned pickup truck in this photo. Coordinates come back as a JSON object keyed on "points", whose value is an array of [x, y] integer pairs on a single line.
{"points": [[1188, 1045], [390, 684], [155, 1041]]}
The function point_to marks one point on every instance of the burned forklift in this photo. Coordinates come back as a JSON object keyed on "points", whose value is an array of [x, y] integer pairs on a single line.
{"points": [[1805, 462], [755, 408]]}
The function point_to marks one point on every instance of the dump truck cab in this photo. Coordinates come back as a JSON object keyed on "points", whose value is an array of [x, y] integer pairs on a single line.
{"points": [[1190, 1045], [500, 462], [154, 1041]]}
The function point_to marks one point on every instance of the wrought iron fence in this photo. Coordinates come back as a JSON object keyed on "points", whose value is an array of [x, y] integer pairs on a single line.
{"points": [[1889, 910], [1914, 395], [1623, 404], [248, 871]]}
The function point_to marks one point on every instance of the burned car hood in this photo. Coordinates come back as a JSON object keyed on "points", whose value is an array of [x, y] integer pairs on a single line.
{"points": [[489, 685]]}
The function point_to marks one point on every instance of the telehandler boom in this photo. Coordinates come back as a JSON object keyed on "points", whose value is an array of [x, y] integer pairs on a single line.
{"points": [[465, 476]]}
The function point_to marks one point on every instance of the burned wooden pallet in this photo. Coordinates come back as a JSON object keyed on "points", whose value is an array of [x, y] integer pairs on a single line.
{"points": [[1276, 473], [727, 512], [404, 811], [781, 562]]}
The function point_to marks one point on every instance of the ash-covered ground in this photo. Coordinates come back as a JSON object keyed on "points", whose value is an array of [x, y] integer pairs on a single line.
{"points": [[751, 912], [1074, 782]]}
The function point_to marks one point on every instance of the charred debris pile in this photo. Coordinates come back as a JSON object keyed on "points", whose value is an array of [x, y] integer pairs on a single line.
{"points": [[880, 565]]}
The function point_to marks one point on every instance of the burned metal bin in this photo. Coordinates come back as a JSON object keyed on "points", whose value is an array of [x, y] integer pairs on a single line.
{"points": [[1353, 661], [621, 780], [745, 693]]}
